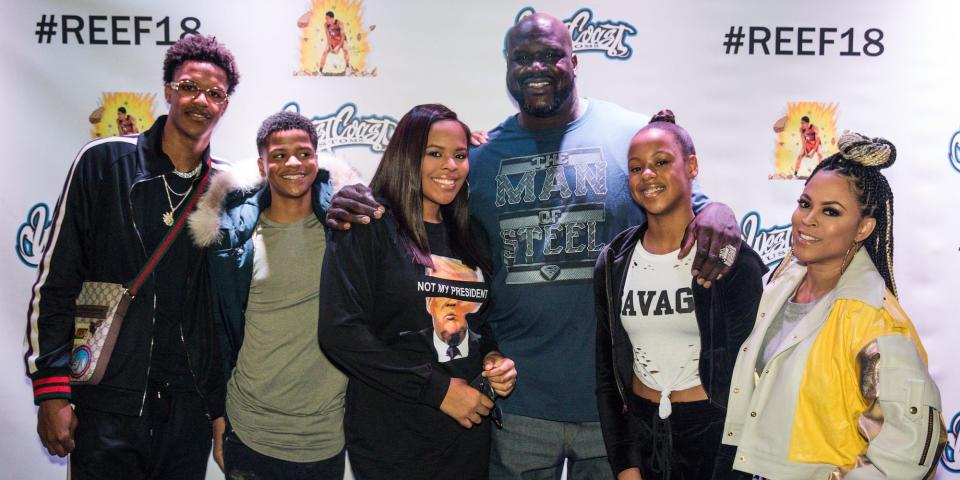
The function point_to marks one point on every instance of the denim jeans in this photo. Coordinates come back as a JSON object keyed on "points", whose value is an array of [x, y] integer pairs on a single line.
{"points": [[242, 462], [533, 449]]}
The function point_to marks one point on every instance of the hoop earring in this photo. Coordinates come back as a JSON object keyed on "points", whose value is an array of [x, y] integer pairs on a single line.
{"points": [[846, 263]]}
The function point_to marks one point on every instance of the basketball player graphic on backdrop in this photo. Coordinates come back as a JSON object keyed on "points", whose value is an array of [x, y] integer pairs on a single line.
{"points": [[336, 41], [809, 142], [126, 124]]}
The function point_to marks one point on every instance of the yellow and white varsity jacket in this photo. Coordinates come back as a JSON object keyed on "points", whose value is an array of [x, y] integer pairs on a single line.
{"points": [[847, 395]]}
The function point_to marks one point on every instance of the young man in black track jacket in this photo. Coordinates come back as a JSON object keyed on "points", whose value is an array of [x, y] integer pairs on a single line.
{"points": [[150, 416]]}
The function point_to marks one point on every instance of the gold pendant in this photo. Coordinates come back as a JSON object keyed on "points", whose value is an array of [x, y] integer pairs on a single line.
{"points": [[168, 219]]}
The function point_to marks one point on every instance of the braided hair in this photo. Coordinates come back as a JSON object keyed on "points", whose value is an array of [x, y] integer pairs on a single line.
{"points": [[860, 159]]}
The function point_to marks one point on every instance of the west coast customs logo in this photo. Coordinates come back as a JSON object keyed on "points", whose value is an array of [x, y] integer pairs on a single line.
{"points": [[951, 452], [344, 128], [771, 243], [608, 37], [33, 234], [954, 153]]}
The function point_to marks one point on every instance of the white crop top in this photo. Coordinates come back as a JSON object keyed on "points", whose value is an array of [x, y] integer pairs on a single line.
{"points": [[657, 313]]}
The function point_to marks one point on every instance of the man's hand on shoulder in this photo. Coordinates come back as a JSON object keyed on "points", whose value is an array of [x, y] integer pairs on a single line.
{"points": [[479, 137], [717, 236], [353, 204]]}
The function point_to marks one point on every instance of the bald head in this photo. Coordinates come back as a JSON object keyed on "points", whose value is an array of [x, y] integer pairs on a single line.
{"points": [[542, 71], [539, 25]]}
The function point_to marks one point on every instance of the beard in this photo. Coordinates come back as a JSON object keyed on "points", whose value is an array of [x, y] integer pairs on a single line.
{"points": [[560, 97]]}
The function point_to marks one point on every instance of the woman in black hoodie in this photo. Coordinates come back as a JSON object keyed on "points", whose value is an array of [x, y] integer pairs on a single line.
{"points": [[403, 313]]}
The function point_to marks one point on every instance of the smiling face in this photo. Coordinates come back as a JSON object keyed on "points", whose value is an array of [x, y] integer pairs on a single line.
{"points": [[195, 116], [444, 167], [541, 66], [828, 221], [289, 163], [660, 177]]}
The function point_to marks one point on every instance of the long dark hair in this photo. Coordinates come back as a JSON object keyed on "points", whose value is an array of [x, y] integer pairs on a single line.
{"points": [[860, 160], [398, 182]]}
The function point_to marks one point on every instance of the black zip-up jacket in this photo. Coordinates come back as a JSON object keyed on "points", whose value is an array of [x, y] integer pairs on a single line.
{"points": [[94, 237], [725, 316]]}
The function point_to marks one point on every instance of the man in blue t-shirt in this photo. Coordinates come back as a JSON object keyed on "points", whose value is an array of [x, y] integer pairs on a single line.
{"points": [[550, 188]]}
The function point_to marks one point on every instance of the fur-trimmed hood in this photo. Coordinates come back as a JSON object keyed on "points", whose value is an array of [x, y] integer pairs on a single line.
{"points": [[242, 181], [204, 222]]}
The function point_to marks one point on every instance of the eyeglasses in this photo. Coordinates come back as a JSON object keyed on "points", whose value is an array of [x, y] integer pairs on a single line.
{"points": [[544, 58], [190, 88]]}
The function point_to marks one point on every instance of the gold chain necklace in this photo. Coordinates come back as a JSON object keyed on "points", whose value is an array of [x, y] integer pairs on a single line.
{"points": [[168, 216]]}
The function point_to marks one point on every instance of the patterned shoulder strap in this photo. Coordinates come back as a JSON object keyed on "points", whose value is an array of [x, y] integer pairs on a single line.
{"points": [[169, 238]]}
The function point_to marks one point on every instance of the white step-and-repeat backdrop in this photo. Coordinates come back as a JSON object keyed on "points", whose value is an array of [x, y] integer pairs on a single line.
{"points": [[739, 75]]}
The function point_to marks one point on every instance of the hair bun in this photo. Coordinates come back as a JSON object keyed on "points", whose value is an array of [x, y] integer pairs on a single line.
{"points": [[869, 152], [665, 115]]}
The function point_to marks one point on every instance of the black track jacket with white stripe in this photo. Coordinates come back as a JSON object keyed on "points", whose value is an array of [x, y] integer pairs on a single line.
{"points": [[93, 237]]}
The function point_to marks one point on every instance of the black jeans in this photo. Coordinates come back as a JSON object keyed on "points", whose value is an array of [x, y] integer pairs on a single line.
{"points": [[683, 446], [171, 440], [242, 462]]}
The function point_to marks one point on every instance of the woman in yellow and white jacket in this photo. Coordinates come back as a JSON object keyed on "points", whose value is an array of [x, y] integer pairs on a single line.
{"points": [[832, 382]]}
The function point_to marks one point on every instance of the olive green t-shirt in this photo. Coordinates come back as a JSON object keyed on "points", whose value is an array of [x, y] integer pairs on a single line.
{"points": [[284, 398]]}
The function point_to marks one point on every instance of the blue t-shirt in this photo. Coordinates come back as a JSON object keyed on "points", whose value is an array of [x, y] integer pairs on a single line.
{"points": [[549, 200]]}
